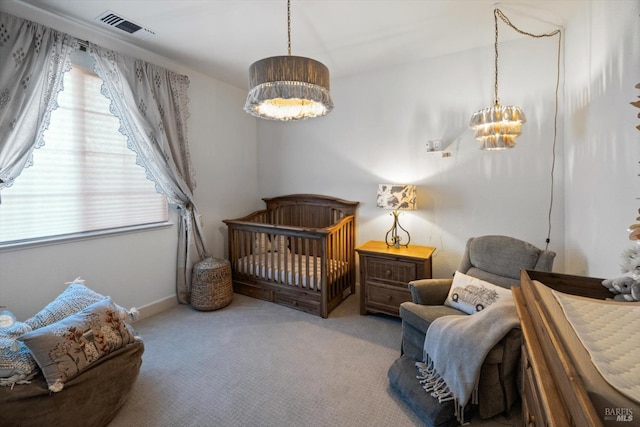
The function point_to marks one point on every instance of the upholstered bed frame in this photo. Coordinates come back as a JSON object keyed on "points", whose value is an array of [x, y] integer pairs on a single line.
{"points": [[298, 252]]}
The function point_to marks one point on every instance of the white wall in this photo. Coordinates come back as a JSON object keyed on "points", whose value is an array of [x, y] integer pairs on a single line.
{"points": [[139, 269], [381, 121], [377, 134], [602, 143]]}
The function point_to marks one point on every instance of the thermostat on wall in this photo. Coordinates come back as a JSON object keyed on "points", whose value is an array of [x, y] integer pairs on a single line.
{"points": [[434, 145]]}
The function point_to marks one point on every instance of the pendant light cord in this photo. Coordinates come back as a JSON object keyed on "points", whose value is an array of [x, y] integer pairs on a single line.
{"points": [[289, 26], [496, 101], [498, 13]]}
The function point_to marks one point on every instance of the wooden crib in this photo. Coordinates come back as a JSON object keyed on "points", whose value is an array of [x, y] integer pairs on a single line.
{"points": [[298, 252]]}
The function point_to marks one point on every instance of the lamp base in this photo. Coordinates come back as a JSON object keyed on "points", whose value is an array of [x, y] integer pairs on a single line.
{"points": [[395, 239]]}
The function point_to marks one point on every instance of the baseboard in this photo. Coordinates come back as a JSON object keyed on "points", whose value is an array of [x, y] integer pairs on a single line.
{"points": [[157, 306]]}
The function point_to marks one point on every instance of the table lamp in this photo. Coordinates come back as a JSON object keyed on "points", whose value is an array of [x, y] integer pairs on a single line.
{"points": [[397, 197]]}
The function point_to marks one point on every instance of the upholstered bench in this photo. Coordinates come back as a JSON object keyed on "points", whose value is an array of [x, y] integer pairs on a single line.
{"points": [[72, 364], [93, 398]]}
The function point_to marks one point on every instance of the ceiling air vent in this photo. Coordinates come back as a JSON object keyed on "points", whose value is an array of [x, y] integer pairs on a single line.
{"points": [[113, 20]]}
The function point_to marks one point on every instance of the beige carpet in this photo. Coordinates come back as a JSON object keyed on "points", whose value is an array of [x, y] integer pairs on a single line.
{"points": [[255, 363]]}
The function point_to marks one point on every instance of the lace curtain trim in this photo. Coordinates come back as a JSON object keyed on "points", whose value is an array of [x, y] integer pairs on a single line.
{"points": [[49, 51]]}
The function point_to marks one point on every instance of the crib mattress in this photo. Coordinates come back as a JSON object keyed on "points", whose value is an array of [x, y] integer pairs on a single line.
{"points": [[605, 397], [291, 269]]}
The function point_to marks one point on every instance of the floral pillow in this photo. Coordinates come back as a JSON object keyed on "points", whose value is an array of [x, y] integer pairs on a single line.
{"points": [[470, 295], [70, 346]]}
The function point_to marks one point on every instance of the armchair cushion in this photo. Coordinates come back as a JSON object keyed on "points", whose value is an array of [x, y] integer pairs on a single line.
{"points": [[502, 255], [499, 259], [430, 291], [421, 316]]}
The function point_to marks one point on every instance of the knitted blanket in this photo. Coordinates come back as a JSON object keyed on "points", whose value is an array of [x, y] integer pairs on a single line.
{"points": [[455, 348]]}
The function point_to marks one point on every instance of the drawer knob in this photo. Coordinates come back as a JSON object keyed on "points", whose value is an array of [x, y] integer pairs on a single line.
{"points": [[388, 273], [532, 420]]}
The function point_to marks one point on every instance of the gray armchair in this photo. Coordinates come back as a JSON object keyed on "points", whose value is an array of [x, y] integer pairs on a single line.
{"points": [[495, 259]]}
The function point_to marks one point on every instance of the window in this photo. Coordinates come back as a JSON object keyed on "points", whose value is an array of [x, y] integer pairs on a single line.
{"points": [[84, 178]]}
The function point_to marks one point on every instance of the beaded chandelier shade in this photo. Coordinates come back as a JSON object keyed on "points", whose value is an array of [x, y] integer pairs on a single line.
{"points": [[288, 87], [497, 127]]}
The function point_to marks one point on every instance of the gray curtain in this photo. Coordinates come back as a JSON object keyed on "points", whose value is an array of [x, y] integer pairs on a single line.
{"points": [[152, 105], [33, 60]]}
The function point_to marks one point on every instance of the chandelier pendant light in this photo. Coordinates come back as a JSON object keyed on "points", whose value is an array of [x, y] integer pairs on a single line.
{"points": [[288, 87], [498, 126]]}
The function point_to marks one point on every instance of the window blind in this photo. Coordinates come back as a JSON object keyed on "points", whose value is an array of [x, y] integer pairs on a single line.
{"points": [[84, 178]]}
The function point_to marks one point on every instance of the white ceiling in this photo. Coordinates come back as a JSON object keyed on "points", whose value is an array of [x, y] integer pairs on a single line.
{"points": [[222, 38]]}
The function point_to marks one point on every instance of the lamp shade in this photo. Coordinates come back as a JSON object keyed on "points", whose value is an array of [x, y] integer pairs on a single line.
{"points": [[288, 88], [396, 196]]}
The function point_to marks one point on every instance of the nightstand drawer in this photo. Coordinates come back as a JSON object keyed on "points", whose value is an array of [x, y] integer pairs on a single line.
{"points": [[386, 298], [385, 273], [390, 271]]}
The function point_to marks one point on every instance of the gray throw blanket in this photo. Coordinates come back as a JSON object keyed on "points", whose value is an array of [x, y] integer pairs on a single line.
{"points": [[455, 348]]}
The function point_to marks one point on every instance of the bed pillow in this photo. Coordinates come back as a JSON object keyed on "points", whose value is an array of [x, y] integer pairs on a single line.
{"points": [[261, 244], [264, 243], [281, 244], [470, 295], [70, 346], [73, 299], [15, 330]]}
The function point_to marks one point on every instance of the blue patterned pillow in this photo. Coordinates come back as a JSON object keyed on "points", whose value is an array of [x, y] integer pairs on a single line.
{"points": [[70, 346], [73, 299], [16, 363]]}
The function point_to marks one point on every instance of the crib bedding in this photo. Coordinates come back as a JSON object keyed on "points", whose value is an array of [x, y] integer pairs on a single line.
{"points": [[602, 393], [290, 269]]}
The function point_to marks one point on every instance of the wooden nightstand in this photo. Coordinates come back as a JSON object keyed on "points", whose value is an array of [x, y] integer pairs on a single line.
{"points": [[385, 273]]}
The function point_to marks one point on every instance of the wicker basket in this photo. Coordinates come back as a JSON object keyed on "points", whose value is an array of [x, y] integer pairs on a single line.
{"points": [[211, 286]]}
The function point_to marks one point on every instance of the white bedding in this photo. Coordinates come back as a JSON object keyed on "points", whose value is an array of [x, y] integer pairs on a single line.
{"points": [[290, 269]]}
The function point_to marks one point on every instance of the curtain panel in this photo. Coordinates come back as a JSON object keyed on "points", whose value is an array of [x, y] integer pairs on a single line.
{"points": [[34, 60], [152, 105]]}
